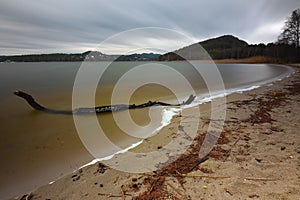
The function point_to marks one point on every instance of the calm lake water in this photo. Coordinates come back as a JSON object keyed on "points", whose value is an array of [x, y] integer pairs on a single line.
{"points": [[36, 148]]}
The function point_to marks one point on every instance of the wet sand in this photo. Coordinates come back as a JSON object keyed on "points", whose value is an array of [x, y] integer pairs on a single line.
{"points": [[257, 156]]}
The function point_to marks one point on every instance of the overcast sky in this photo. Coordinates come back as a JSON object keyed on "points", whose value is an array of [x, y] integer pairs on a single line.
{"points": [[45, 26]]}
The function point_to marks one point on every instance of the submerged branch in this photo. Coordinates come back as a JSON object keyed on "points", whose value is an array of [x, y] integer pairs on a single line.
{"points": [[100, 109]]}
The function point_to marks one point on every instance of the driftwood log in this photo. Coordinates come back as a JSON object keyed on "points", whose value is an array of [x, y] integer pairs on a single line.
{"points": [[99, 109]]}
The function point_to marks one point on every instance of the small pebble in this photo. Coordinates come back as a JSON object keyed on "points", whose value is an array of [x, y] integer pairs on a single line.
{"points": [[74, 175], [76, 178], [134, 179], [258, 160], [135, 186], [253, 196]]}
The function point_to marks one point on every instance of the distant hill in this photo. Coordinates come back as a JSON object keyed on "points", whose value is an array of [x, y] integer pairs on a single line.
{"points": [[2, 58], [97, 56], [214, 47], [86, 56], [54, 57], [139, 57], [223, 42]]}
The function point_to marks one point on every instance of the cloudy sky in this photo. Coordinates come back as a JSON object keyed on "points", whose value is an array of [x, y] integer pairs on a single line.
{"points": [[44, 26]]}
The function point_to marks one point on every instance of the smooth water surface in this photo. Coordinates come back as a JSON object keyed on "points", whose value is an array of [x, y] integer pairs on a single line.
{"points": [[36, 148]]}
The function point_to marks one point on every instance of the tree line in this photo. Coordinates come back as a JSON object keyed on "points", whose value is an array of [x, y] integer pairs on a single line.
{"points": [[285, 49], [273, 51], [78, 57]]}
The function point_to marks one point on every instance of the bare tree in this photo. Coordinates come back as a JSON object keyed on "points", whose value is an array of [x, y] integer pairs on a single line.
{"points": [[291, 30]]}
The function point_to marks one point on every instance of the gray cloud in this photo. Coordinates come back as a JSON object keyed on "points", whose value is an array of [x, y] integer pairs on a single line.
{"points": [[74, 26]]}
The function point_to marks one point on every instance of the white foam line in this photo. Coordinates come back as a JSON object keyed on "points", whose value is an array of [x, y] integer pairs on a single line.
{"points": [[241, 90], [205, 99], [167, 116], [111, 156], [105, 158]]}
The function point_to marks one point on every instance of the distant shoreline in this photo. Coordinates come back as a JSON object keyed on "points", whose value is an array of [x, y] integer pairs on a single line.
{"points": [[250, 60]]}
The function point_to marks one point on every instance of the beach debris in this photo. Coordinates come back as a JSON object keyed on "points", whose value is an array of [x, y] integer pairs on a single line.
{"points": [[134, 179], [229, 151], [75, 177], [113, 195], [219, 153], [258, 160], [253, 196], [186, 135], [102, 168], [278, 94], [265, 104], [27, 196], [205, 176], [276, 129], [294, 88], [180, 192], [259, 179], [261, 107], [179, 168], [123, 192], [228, 191], [135, 186], [282, 148], [186, 163], [206, 170]]}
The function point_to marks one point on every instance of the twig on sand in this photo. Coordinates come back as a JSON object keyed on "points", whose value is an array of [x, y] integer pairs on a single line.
{"points": [[205, 176], [228, 153], [123, 193], [210, 119], [152, 186], [175, 189], [260, 179], [203, 159], [113, 195]]}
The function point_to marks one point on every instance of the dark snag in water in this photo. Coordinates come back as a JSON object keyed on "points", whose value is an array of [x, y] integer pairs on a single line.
{"points": [[100, 109]]}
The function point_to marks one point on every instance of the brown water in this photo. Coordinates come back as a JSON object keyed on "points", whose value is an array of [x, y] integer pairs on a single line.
{"points": [[36, 148]]}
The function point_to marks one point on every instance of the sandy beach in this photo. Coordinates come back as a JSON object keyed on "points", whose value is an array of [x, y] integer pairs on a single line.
{"points": [[257, 155]]}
